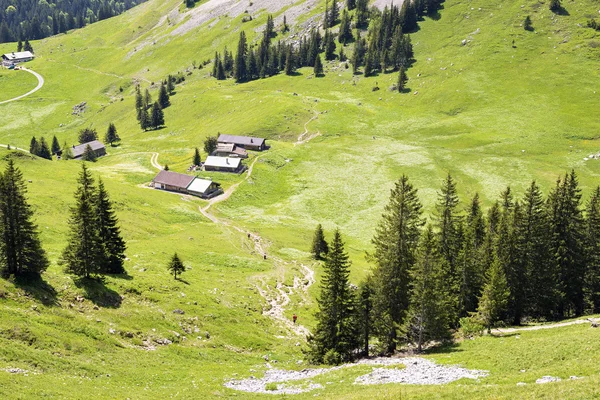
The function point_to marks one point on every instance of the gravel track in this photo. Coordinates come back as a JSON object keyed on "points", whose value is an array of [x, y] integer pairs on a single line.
{"points": [[38, 87]]}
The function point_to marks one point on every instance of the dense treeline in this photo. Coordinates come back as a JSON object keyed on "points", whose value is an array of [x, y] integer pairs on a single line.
{"points": [[386, 47], [33, 19], [525, 258]]}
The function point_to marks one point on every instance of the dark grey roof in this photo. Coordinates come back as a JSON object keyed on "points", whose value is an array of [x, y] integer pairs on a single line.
{"points": [[80, 149], [241, 140], [173, 179]]}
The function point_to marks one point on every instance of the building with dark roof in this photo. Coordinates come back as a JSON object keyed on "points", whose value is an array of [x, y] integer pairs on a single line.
{"points": [[229, 150], [181, 183], [16, 57], [97, 147], [246, 142]]}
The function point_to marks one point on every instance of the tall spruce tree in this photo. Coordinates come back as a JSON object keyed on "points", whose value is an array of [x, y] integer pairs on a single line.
{"points": [[318, 68], [592, 249], [21, 252], [84, 255], [239, 72], [34, 146], [196, 159], [402, 79], [494, 299], [111, 134], [428, 314], [163, 97], [396, 239], [109, 233], [320, 248], [365, 314], [55, 145], [335, 337], [157, 117], [44, 150], [566, 226]]}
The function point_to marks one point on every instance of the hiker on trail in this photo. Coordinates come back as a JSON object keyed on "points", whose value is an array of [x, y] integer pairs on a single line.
{"points": [[294, 318]]}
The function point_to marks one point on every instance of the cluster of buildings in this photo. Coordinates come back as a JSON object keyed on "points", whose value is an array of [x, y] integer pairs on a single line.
{"points": [[228, 157], [14, 58]]}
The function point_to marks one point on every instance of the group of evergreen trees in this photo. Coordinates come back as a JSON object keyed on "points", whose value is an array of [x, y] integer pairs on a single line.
{"points": [[528, 258], [40, 148], [33, 19], [150, 115], [95, 244]]}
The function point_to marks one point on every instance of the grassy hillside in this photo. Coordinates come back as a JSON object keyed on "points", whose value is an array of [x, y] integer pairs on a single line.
{"points": [[507, 107]]}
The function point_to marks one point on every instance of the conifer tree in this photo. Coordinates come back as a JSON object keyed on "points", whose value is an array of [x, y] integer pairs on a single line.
{"points": [[20, 46], [345, 34], [157, 117], [239, 72], [84, 254], [334, 13], [335, 336], [428, 313], [362, 14], [365, 315], [147, 99], [220, 72], [111, 134], [350, 4], [170, 85], [34, 146], [145, 120], [320, 248], [139, 100], [109, 233], [527, 25], [27, 46], [318, 68], [89, 154], [402, 79], [326, 15], [196, 160], [329, 46], [494, 299], [396, 239], [290, 68], [55, 146], [44, 150], [163, 97], [176, 266], [592, 249], [555, 5], [21, 252]]}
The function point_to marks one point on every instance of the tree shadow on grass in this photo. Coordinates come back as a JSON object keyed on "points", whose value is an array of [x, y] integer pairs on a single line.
{"points": [[37, 287], [562, 12], [97, 292], [124, 276], [182, 281], [444, 348]]}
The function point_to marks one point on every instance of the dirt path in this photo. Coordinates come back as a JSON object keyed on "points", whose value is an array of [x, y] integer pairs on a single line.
{"points": [[154, 161], [502, 331], [14, 148], [302, 138], [38, 87]]}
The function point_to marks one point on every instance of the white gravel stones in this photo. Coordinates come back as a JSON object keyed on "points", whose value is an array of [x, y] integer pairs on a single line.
{"points": [[548, 379], [417, 371]]}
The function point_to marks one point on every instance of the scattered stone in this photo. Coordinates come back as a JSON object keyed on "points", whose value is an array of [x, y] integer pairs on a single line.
{"points": [[464, 42], [521, 384], [548, 379], [178, 311], [112, 331], [163, 342], [96, 307]]}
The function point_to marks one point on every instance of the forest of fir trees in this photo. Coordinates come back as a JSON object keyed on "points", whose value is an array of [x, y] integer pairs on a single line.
{"points": [[522, 259], [385, 47]]}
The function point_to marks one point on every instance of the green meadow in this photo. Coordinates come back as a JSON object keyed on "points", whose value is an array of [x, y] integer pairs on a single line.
{"points": [[507, 107]]}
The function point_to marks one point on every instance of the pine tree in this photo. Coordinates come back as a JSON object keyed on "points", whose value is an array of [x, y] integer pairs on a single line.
{"points": [[147, 99], [494, 299], [20, 46], [326, 15], [44, 150], [334, 13], [239, 72], [111, 134], [27, 46], [320, 248], [145, 121], [21, 252], [221, 72], [157, 117], [176, 266], [428, 317], [170, 85], [592, 249], [84, 254], [345, 34], [555, 5], [163, 97], [318, 68], [290, 68], [350, 4], [402, 79], [365, 315], [55, 146], [527, 25], [396, 239], [362, 14], [139, 101], [335, 336], [330, 47], [196, 160], [34, 146], [89, 154], [110, 233]]}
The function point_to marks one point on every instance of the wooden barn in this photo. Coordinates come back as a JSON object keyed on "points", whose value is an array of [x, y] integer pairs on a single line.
{"points": [[229, 150], [97, 147], [172, 181], [245, 142], [13, 58]]}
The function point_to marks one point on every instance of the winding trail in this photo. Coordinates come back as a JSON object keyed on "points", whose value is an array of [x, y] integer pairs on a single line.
{"points": [[503, 331], [154, 161], [301, 138], [38, 87]]}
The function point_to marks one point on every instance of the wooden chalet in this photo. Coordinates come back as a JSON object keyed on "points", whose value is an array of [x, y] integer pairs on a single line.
{"points": [[245, 142], [96, 146], [181, 183], [229, 150], [14, 58], [223, 164]]}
